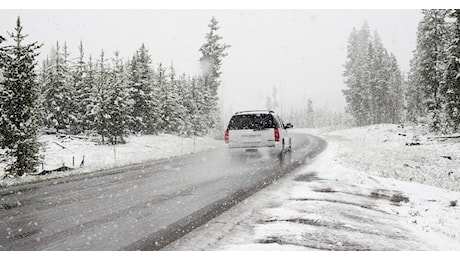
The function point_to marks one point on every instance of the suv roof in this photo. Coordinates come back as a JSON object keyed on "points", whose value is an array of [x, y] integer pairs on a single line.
{"points": [[254, 111]]}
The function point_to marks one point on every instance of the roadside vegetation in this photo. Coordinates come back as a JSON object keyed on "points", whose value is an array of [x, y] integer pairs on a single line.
{"points": [[104, 98]]}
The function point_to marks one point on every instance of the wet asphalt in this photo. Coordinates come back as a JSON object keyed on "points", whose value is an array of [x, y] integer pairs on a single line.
{"points": [[140, 207]]}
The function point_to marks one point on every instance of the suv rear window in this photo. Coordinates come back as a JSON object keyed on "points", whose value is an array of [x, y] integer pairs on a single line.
{"points": [[252, 121]]}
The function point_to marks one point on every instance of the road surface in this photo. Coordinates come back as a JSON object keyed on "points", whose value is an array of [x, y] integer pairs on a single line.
{"points": [[141, 207]]}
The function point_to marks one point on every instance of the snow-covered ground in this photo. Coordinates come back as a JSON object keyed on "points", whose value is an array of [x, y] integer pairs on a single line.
{"points": [[367, 191], [72, 150], [381, 187]]}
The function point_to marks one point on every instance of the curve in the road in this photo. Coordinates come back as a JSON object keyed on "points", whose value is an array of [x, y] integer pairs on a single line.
{"points": [[178, 229], [142, 207]]}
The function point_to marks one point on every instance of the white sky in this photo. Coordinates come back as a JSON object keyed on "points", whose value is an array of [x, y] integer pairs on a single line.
{"points": [[300, 52]]}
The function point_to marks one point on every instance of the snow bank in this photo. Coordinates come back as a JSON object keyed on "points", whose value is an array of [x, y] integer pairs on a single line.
{"points": [[87, 156], [407, 153]]}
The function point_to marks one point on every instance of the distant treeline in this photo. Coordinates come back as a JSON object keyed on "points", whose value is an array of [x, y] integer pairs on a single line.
{"points": [[317, 117]]}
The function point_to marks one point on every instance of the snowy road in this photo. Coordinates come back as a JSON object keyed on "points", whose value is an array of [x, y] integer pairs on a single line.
{"points": [[138, 208]]}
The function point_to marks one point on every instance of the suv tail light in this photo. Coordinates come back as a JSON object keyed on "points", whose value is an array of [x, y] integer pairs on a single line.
{"points": [[277, 135], [226, 136]]}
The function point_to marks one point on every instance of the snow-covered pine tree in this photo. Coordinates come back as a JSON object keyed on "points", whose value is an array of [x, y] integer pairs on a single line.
{"points": [[413, 94], [370, 86], [140, 84], [42, 83], [357, 75], [198, 106], [162, 95], [452, 73], [119, 104], [373, 79], [387, 95], [379, 75], [101, 108], [71, 105], [430, 62], [166, 97], [350, 78], [174, 109], [46, 92], [18, 103], [59, 92], [185, 95], [394, 103], [81, 91], [87, 96], [212, 51]]}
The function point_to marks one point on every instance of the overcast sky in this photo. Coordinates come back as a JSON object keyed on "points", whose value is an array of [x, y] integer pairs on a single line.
{"points": [[300, 52]]}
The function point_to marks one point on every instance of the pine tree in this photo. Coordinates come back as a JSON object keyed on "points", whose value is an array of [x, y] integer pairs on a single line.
{"points": [[164, 92], [59, 91], [71, 106], [42, 85], [429, 63], [452, 73], [369, 86], [88, 96], [198, 106], [357, 75], [18, 103], [141, 87], [394, 103], [118, 103], [374, 91], [413, 94], [81, 91], [174, 105], [101, 108], [379, 84], [212, 51], [161, 94], [185, 109]]}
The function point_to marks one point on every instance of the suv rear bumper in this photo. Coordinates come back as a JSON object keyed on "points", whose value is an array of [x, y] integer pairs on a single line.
{"points": [[249, 145]]}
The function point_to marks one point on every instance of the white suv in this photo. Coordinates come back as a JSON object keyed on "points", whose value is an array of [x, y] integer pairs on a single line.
{"points": [[257, 129]]}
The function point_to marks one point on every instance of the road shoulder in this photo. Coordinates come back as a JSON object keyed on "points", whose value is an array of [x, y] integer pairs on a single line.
{"points": [[327, 206]]}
